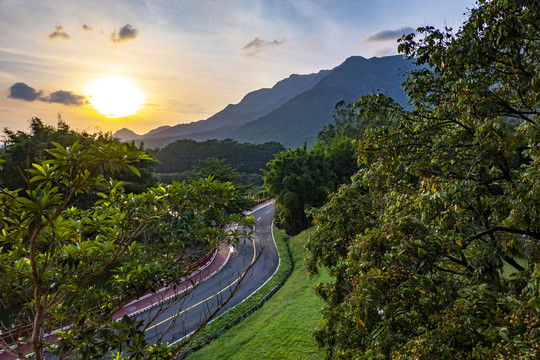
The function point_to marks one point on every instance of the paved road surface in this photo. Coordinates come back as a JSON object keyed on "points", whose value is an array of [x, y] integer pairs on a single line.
{"points": [[185, 316]]}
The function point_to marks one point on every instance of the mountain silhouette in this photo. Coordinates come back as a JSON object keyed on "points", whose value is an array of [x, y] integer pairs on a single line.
{"points": [[295, 109]]}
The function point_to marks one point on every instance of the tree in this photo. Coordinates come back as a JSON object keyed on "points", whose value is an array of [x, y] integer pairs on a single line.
{"points": [[299, 180], [217, 168], [66, 266], [351, 120], [24, 148], [435, 245]]}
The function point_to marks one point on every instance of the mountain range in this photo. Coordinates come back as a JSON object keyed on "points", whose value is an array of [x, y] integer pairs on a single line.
{"points": [[294, 110]]}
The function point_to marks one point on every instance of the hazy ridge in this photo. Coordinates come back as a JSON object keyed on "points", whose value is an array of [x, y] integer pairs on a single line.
{"points": [[294, 110]]}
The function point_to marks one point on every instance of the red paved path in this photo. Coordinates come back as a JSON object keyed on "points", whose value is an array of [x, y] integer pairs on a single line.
{"points": [[221, 258]]}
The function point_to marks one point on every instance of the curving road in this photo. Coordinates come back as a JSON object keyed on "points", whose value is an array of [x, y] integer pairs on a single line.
{"points": [[185, 314]]}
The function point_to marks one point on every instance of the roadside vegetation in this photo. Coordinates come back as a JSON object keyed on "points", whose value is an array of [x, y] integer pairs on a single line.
{"points": [[84, 230], [283, 327]]}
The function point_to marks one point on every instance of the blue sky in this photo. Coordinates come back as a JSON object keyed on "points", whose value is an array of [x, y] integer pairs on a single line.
{"points": [[189, 58]]}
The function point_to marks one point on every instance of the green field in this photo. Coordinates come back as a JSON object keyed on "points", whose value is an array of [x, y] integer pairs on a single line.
{"points": [[282, 327]]}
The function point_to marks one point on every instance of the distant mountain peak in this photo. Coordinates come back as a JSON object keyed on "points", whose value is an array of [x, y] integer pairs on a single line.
{"points": [[295, 109], [126, 134]]}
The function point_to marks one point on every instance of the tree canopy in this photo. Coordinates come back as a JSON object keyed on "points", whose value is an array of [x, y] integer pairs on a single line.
{"points": [[182, 155], [299, 180], [21, 149], [434, 247], [68, 267]]}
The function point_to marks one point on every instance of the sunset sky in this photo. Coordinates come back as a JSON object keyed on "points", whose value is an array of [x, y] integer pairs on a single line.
{"points": [[183, 60]]}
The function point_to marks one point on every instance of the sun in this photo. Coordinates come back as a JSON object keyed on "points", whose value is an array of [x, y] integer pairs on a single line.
{"points": [[114, 96]]}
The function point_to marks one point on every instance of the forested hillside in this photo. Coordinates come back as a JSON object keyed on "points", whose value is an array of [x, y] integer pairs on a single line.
{"points": [[254, 105], [302, 179], [182, 155], [183, 159], [300, 119]]}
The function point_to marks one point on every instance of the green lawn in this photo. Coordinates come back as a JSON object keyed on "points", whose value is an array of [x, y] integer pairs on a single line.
{"points": [[282, 327], [508, 269]]}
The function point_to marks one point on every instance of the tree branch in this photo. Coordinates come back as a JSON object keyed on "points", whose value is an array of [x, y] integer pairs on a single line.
{"points": [[533, 234]]}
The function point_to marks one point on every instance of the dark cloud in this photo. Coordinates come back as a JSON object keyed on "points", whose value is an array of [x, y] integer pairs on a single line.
{"points": [[257, 44], [64, 97], [385, 35], [59, 33], [23, 92], [87, 28], [126, 32]]}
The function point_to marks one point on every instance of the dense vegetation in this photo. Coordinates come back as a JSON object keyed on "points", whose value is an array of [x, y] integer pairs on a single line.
{"points": [[446, 200], [182, 159], [302, 179], [75, 246], [24, 148]]}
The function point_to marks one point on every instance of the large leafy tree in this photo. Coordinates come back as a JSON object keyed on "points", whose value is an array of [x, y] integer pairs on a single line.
{"points": [[299, 180], [435, 244], [73, 268], [302, 179]]}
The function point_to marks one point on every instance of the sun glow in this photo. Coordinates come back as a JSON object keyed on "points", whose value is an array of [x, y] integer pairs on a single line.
{"points": [[114, 96]]}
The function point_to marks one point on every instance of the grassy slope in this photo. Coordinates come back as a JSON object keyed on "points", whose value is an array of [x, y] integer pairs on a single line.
{"points": [[282, 328]]}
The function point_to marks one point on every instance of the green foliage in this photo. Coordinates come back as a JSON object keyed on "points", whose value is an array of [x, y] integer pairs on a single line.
{"points": [[299, 180], [218, 169], [169, 178], [351, 120], [182, 155], [24, 148], [54, 257], [449, 197]]}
